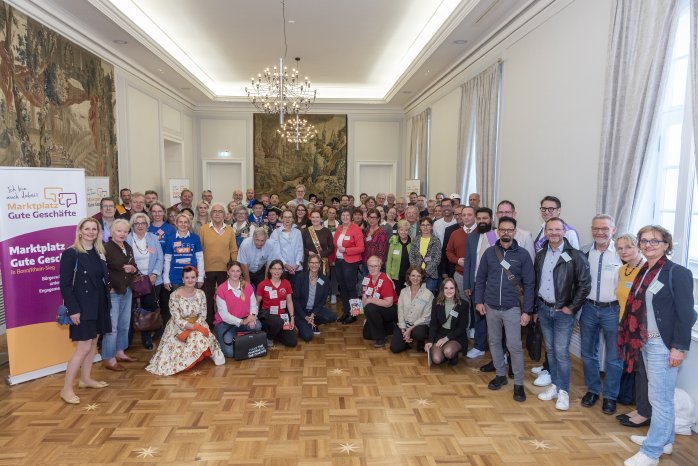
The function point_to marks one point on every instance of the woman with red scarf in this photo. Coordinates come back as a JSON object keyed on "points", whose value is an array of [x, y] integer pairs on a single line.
{"points": [[657, 326]]}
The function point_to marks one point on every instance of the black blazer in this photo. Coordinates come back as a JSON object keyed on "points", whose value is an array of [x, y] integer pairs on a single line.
{"points": [[90, 281], [446, 266], [459, 325], [301, 289], [673, 306]]}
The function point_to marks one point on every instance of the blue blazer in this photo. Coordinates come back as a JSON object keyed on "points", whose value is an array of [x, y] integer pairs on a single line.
{"points": [[301, 289], [156, 261], [83, 295], [673, 306]]}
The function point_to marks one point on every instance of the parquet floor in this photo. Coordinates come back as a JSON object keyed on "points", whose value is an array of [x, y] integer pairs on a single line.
{"points": [[334, 401]]}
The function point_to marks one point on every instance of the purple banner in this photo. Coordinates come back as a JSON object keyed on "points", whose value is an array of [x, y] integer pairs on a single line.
{"points": [[30, 275]]}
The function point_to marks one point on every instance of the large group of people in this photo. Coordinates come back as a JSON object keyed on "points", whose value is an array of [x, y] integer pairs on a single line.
{"points": [[428, 274]]}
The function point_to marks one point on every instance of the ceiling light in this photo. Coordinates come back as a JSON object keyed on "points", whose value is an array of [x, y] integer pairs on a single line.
{"points": [[120, 41], [278, 90], [297, 130]]}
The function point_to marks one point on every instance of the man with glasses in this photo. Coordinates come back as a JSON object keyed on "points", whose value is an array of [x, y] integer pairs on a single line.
{"points": [[504, 293], [400, 206], [106, 216], [601, 312], [551, 207], [523, 237], [562, 286], [219, 246], [300, 197], [137, 204], [455, 238]]}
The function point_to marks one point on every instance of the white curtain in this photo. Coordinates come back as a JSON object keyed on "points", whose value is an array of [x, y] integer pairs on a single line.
{"points": [[693, 66], [640, 39], [477, 136], [419, 147]]}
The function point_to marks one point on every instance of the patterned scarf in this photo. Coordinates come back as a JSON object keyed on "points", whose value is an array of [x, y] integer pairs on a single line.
{"points": [[632, 331]]}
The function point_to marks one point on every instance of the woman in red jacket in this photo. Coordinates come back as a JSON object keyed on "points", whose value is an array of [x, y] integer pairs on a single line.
{"points": [[349, 246]]}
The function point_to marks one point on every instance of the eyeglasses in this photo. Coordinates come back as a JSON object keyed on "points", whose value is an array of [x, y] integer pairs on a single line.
{"points": [[653, 242], [507, 231], [601, 230], [548, 209], [139, 224], [427, 225]]}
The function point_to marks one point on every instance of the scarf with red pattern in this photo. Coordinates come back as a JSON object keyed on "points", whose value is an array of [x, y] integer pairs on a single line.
{"points": [[632, 331]]}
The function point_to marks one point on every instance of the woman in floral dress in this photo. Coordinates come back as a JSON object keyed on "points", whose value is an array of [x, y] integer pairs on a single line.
{"points": [[187, 338]]}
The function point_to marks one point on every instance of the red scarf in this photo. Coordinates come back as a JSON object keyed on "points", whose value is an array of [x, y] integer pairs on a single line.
{"points": [[632, 331]]}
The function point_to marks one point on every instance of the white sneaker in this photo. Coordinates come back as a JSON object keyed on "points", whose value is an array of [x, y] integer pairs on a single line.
{"points": [[270, 343], [471, 333], [640, 439], [640, 459], [563, 401], [475, 353], [333, 299], [543, 379], [549, 394], [537, 370], [316, 330]]}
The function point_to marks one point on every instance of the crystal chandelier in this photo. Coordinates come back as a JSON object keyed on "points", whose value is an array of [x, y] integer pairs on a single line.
{"points": [[278, 90], [297, 131]]}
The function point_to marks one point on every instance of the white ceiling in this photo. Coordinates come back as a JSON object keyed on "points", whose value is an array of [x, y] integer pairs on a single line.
{"points": [[364, 51]]}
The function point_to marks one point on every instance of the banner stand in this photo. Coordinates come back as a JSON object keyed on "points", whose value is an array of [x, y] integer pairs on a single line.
{"points": [[43, 372]]}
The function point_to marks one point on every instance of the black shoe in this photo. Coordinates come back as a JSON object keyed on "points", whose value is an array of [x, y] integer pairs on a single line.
{"points": [[609, 406], [380, 343], [622, 417], [349, 320], [497, 382], [519, 393], [629, 423], [489, 367], [453, 361], [590, 400], [148, 346]]}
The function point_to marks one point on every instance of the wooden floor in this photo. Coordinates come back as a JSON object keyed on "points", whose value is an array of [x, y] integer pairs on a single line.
{"points": [[334, 401]]}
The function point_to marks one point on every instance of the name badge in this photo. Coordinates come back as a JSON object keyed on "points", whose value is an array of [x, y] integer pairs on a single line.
{"points": [[320, 281], [365, 281], [273, 294], [267, 288], [380, 283], [369, 291], [655, 287], [628, 285], [377, 295], [368, 238], [566, 257], [453, 314], [396, 252], [346, 238], [427, 259], [283, 304], [274, 310], [505, 264]]}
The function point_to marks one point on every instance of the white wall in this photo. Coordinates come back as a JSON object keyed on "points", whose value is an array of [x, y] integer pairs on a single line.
{"points": [[374, 154], [444, 144], [552, 94]]}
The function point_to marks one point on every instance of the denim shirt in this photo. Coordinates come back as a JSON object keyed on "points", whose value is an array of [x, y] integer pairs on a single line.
{"points": [[547, 281]]}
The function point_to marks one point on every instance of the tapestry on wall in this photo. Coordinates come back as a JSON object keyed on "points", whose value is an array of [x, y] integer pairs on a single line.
{"points": [[57, 101], [320, 164]]}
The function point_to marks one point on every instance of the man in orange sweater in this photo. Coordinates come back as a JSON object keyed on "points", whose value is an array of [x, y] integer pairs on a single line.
{"points": [[219, 246]]}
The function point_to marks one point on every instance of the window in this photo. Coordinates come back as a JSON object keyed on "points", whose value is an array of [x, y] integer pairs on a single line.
{"points": [[669, 183]]}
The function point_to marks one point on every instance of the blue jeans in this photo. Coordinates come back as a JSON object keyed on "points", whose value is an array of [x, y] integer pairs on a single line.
{"points": [[117, 339], [557, 332], [591, 321], [322, 316], [225, 334], [661, 383], [432, 285]]}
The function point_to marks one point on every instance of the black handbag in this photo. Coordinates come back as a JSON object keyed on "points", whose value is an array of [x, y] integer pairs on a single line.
{"points": [[534, 341], [248, 345], [62, 315]]}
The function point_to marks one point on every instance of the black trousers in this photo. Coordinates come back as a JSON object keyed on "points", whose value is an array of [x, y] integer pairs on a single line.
{"points": [[258, 277], [211, 282], [346, 278], [379, 319], [273, 325], [419, 334]]}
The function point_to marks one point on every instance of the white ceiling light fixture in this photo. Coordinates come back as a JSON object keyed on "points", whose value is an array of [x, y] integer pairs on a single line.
{"points": [[297, 130], [279, 91]]}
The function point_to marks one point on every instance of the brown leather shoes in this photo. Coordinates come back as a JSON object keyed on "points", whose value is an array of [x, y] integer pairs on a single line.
{"points": [[116, 367]]}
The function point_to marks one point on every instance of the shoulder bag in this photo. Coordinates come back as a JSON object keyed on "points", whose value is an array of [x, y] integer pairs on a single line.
{"points": [[62, 315]]}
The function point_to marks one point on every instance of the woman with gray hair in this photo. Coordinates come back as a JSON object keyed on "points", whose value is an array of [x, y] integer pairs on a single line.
{"points": [[150, 261], [241, 225], [121, 265]]}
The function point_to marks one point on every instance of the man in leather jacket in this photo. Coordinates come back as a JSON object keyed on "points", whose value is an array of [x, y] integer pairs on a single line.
{"points": [[562, 285]]}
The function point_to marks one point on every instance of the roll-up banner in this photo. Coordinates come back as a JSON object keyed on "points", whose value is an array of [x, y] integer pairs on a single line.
{"points": [[39, 210]]}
